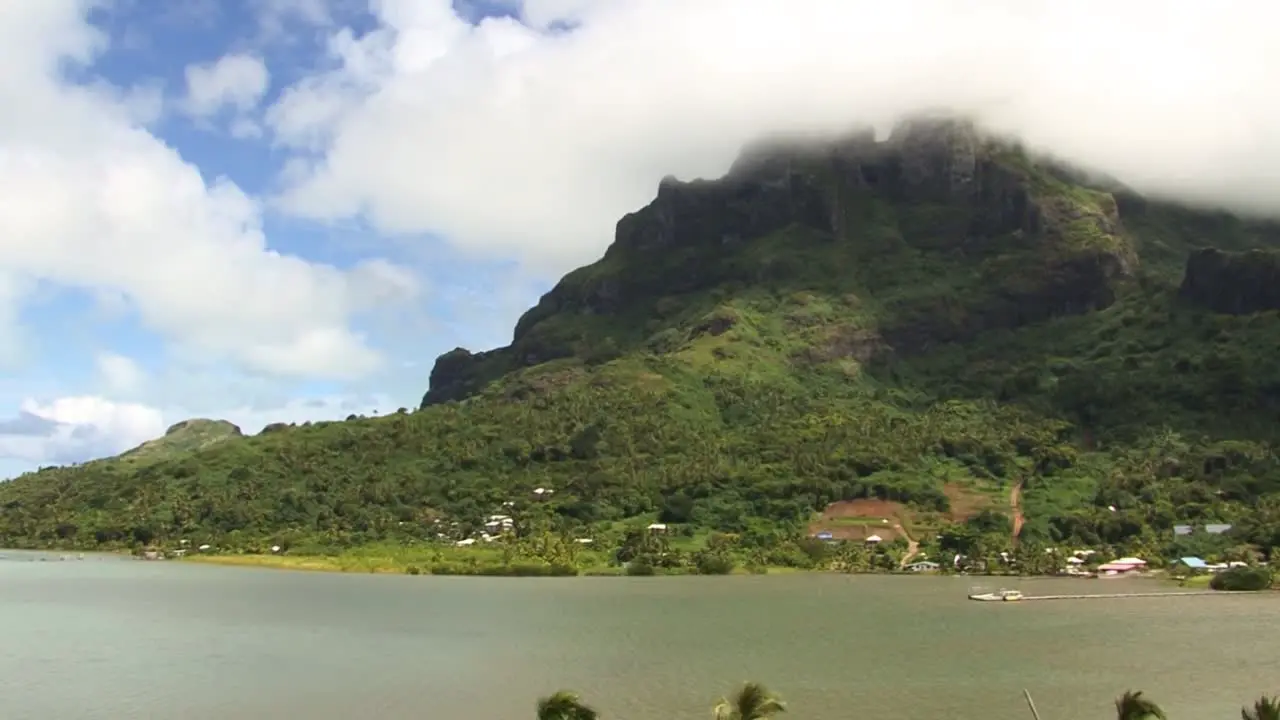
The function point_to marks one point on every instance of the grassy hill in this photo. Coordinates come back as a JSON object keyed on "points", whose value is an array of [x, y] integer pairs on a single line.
{"points": [[829, 337], [182, 438]]}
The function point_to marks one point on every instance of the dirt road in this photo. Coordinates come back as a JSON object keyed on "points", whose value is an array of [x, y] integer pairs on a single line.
{"points": [[913, 547], [1015, 504]]}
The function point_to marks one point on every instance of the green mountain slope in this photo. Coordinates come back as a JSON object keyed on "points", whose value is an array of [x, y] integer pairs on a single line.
{"points": [[182, 438], [931, 320]]}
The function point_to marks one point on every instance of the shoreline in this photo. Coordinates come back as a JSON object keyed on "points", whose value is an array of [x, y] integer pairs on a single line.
{"points": [[484, 564], [388, 566]]}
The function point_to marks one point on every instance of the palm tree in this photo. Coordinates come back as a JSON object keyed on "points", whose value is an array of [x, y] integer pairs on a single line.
{"points": [[1132, 706], [1266, 708], [752, 702], [565, 705]]}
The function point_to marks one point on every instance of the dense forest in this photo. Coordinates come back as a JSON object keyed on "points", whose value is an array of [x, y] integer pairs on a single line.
{"points": [[933, 318]]}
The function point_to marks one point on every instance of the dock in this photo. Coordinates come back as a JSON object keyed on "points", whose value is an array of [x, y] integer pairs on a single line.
{"points": [[1112, 596]]}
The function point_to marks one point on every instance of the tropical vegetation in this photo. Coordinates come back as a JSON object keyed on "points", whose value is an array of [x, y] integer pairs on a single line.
{"points": [[754, 701], [998, 357]]}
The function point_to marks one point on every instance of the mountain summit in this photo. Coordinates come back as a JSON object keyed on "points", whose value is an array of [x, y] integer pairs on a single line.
{"points": [[937, 326], [951, 232]]}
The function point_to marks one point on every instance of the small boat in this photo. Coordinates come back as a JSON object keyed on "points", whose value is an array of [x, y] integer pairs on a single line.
{"points": [[998, 596]]}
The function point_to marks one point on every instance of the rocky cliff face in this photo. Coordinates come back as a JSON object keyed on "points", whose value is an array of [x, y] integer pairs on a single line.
{"points": [[1233, 283], [459, 373], [1019, 244]]}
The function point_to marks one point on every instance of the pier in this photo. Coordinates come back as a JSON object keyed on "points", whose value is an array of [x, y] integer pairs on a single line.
{"points": [[1112, 596]]}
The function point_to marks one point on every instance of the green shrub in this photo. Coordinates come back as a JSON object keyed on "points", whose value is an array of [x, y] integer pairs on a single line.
{"points": [[1242, 578], [639, 568], [713, 563]]}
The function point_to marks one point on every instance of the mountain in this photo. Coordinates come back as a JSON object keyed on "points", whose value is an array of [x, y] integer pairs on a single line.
{"points": [[185, 437], [918, 329]]}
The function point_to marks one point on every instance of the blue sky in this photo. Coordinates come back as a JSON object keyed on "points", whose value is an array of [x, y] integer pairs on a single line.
{"points": [[282, 210], [70, 334]]}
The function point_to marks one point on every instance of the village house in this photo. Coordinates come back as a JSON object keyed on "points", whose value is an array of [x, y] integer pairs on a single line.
{"points": [[498, 524], [1122, 566], [1190, 565], [1210, 529]]}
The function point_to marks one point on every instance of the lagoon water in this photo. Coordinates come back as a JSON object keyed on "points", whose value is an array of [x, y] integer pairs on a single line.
{"points": [[120, 639]]}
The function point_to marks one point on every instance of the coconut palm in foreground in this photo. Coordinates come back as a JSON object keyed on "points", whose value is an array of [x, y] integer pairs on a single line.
{"points": [[1266, 708], [1132, 706], [565, 705], [752, 702]]}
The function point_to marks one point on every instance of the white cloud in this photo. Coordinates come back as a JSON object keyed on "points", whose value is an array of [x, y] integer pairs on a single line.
{"points": [[513, 142], [11, 333], [93, 201], [72, 429], [273, 15], [119, 375], [238, 81], [80, 428], [243, 128]]}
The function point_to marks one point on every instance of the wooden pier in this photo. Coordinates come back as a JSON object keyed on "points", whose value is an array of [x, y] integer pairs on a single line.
{"points": [[1111, 596]]}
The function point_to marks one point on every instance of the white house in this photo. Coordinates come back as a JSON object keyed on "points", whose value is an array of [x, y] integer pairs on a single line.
{"points": [[498, 524]]}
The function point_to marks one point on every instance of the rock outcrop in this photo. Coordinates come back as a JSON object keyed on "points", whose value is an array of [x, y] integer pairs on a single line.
{"points": [[1233, 283], [205, 426], [938, 185], [460, 373]]}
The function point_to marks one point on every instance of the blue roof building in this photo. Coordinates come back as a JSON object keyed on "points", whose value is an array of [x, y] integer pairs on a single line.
{"points": [[1194, 563]]}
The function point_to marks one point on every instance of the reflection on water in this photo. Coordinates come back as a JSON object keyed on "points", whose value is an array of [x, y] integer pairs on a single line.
{"points": [[110, 639]]}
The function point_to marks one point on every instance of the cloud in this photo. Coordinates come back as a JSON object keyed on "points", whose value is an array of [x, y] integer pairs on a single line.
{"points": [[274, 15], [119, 374], [58, 429], [512, 141], [94, 202], [27, 424], [237, 81], [11, 333], [72, 429], [80, 428]]}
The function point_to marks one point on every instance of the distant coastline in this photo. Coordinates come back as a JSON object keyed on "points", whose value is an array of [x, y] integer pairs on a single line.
{"points": [[458, 565]]}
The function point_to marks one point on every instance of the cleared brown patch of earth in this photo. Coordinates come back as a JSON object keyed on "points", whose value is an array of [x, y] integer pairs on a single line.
{"points": [[965, 502], [860, 519]]}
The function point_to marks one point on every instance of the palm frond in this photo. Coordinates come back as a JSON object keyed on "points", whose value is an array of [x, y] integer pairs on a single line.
{"points": [[565, 705], [752, 702], [1133, 706], [1266, 708]]}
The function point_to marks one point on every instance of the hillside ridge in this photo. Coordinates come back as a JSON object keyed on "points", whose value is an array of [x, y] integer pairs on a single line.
{"points": [[971, 192], [833, 336]]}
